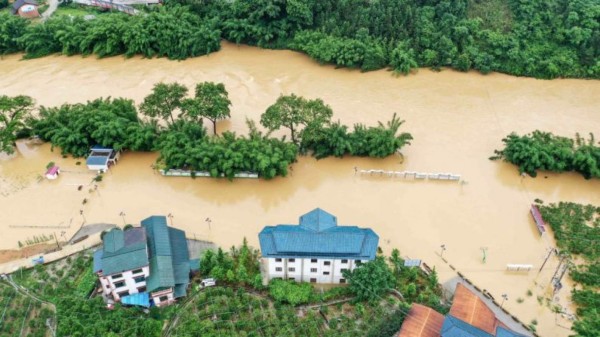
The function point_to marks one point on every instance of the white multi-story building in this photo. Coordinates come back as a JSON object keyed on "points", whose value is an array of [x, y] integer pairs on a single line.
{"points": [[317, 250], [146, 265]]}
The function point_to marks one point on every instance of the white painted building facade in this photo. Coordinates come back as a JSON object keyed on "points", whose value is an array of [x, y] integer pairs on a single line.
{"points": [[316, 250], [310, 270], [126, 283]]}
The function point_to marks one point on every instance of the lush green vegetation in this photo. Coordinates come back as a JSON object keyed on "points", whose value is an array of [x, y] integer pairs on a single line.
{"points": [[171, 32], [577, 231], [13, 113], [540, 38], [22, 315], [543, 151]]}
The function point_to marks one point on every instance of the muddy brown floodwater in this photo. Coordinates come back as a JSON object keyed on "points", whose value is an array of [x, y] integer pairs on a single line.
{"points": [[457, 121]]}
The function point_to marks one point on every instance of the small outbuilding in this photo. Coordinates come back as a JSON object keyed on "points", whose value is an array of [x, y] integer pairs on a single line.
{"points": [[25, 8], [101, 158], [52, 172]]}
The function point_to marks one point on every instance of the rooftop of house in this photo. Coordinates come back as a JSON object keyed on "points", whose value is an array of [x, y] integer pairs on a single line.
{"points": [[162, 248], [469, 316], [318, 236], [169, 256], [122, 251], [20, 3], [422, 321]]}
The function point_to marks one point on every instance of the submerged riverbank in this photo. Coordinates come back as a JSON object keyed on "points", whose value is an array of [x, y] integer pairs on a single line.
{"points": [[457, 121]]}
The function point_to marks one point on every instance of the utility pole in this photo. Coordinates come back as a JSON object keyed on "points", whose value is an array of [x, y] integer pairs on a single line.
{"points": [[443, 247], [562, 259], [208, 221], [484, 251], [56, 239], [546, 259]]}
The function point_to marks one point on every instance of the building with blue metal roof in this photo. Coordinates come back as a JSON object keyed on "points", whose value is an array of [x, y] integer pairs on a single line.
{"points": [[316, 250], [152, 260], [101, 158]]}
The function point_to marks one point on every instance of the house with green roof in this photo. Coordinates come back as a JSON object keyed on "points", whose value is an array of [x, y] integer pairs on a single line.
{"points": [[316, 250], [152, 259]]}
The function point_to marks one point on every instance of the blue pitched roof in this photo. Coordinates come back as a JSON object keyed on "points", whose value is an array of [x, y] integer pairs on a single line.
{"points": [[101, 148], [169, 256], [98, 260], [318, 235], [122, 250], [454, 327]]}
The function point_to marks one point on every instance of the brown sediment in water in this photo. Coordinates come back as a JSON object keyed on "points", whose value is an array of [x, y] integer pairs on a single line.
{"points": [[457, 120]]}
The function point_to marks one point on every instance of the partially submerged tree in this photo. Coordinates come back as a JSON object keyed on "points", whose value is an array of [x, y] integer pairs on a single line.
{"points": [[13, 111], [293, 111], [211, 102], [164, 100]]}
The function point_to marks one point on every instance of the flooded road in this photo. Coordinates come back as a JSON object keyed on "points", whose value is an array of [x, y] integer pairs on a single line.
{"points": [[457, 121]]}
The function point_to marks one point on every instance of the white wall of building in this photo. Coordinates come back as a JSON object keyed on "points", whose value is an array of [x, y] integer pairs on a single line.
{"points": [[309, 270], [170, 297], [124, 282]]}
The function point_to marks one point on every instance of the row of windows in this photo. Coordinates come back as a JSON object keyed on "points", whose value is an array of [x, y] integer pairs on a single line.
{"points": [[312, 270], [138, 279], [327, 263], [312, 280], [117, 276], [126, 292]]}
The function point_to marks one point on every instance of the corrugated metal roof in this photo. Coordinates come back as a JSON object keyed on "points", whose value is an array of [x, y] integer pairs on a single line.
{"points": [[97, 160], [139, 299], [180, 290], [318, 235], [169, 257], [468, 307], [100, 148], [421, 321], [98, 260], [454, 327], [123, 250]]}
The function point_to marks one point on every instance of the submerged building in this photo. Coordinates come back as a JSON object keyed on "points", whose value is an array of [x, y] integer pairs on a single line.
{"points": [[147, 265], [316, 250]]}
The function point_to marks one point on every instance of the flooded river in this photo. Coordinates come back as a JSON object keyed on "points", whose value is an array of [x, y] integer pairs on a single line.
{"points": [[457, 121]]}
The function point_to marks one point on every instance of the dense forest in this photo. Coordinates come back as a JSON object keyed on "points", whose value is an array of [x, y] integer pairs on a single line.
{"points": [[539, 38]]}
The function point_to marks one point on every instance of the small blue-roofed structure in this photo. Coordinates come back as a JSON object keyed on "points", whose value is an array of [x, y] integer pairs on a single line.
{"points": [[316, 250], [139, 299], [101, 158]]}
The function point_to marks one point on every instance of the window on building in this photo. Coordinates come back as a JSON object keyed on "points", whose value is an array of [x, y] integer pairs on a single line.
{"points": [[292, 279], [163, 298], [116, 276], [313, 270], [119, 284], [292, 260], [313, 260], [325, 273], [139, 279], [278, 269], [313, 280], [277, 260], [357, 262], [342, 280], [141, 289], [327, 263], [344, 261], [292, 269], [343, 270], [137, 271], [123, 294]]}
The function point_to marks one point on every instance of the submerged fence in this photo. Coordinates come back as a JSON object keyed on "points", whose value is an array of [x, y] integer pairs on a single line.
{"points": [[410, 175]]}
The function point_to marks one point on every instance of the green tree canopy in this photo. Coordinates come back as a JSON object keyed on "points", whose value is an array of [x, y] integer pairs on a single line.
{"points": [[371, 280], [165, 99], [293, 111], [211, 102], [13, 112]]}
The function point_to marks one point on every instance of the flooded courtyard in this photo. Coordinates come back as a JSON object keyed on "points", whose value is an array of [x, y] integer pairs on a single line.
{"points": [[456, 119]]}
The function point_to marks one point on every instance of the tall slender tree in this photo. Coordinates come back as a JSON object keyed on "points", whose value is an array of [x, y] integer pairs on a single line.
{"points": [[165, 99], [293, 112], [211, 102]]}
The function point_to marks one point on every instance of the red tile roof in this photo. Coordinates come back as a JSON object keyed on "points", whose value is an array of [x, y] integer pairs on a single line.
{"points": [[422, 322]]}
